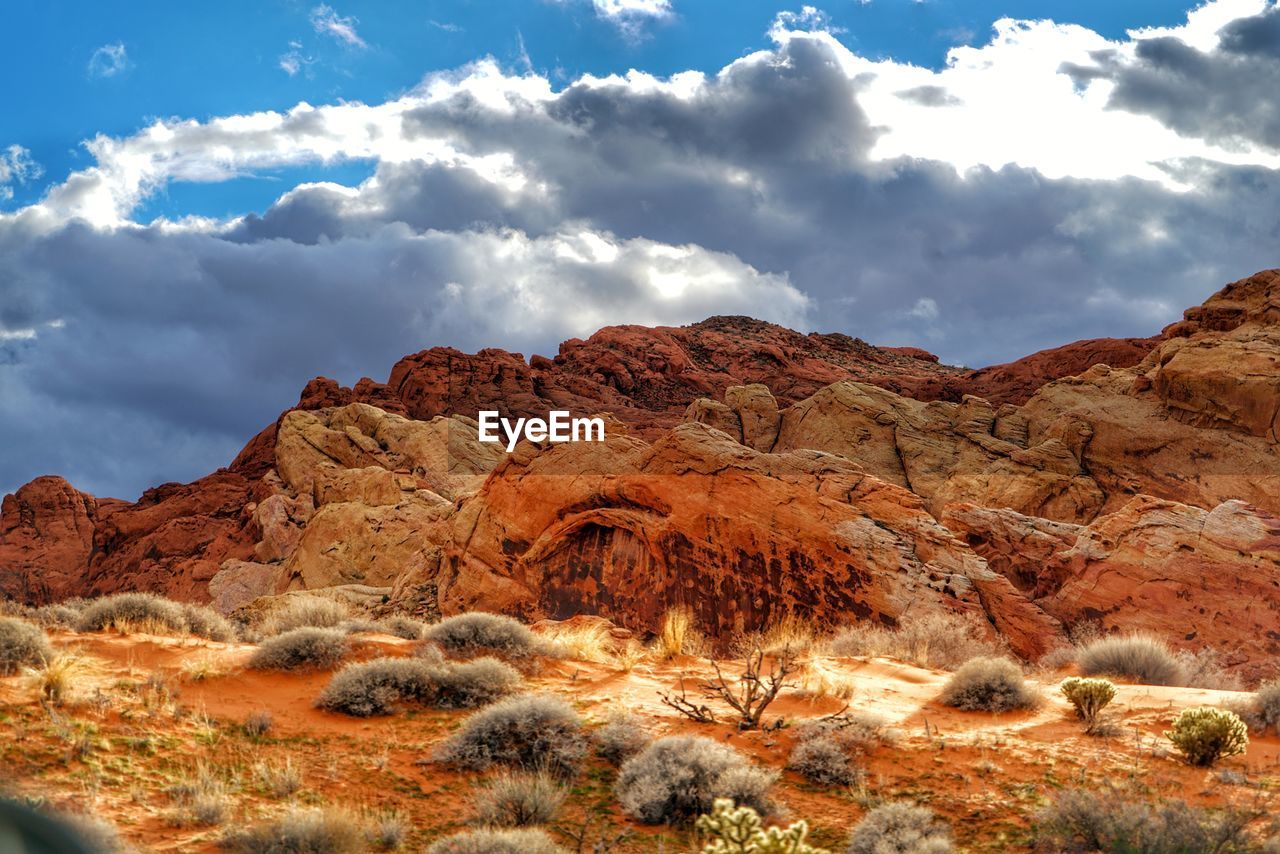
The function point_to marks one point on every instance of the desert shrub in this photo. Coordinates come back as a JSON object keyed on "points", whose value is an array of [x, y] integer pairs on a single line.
{"points": [[1205, 735], [621, 736], [60, 614], [277, 780], [1142, 658], [739, 830], [376, 687], [429, 653], [989, 685], [204, 622], [387, 830], [678, 635], [474, 683], [404, 627], [1266, 706], [900, 827], [361, 627], [21, 645], [478, 631], [133, 612], [497, 842], [520, 800], [853, 730], [305, 612], [1205, 668], [200, 802], [301, 649], [580, 641], [677, 778], [823, 760], [531, 731], [258, 724], [943, 641], [301, 831], [1080, 821], [1089, 697]]}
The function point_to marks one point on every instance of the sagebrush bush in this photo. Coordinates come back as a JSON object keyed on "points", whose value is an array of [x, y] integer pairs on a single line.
{"points": [[404, 627], [478, 631], [621, 736], [1205, 668], [855, 730], [1266, 706], [201, 801], [1141, 658], [942, 641], [1089, 696], [497, 842], [204, 622], [305, 612], [258, 724], [62, 614], [376, 687], [1083, 821], [21, 645], [520, 800], [301, 649], [900, 827], [133, 612], [1204, 735], [989, 685], [823, 760], [531, 731], [678, 778], [301, 831], [478, 682]]}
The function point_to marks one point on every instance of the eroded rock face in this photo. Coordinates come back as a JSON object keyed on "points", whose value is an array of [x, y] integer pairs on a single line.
{"points": [[626, 530], [1195, 577], [47, 530]]}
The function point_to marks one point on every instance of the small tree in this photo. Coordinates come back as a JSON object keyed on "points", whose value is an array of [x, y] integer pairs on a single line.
{"points": [[740, 831], [1205, 735]]}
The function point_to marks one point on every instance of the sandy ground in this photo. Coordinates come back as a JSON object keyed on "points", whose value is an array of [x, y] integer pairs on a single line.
{"points": [[122, 743]]}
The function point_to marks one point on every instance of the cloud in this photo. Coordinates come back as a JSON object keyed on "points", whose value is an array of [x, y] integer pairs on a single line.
{"points": [[632, 8], [293, 61], [16, 167], [326, 21], [796, 184], [109, 60], [447, 26]]}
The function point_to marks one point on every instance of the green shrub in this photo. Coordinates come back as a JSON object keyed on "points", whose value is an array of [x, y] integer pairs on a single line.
{"points": [[1082, 821], [1141, 658], [477, 631], [739, 830], [531, 731], [478, 682], [133, 612], [1089, 697], [301, 831], [497, 842], [824, 761], [1205, 735], [376, 687], [520, 800], [301, 649], [900, 828], [621, 736], [990, 685], [305, 612], [22, 645], [678, 778]]}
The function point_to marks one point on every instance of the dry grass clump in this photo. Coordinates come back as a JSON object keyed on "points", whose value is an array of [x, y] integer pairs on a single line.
{"points": [[404, 627], [278, 780], [942, 641], [478, 632], [530, 731], [202, 801], [988, 685], [1080, 821], [55, 679], [477, 682], [622, 736], [900, 827], [497, 842], [1205, 735], [818, 678], [301, 649], [21, 645], [204, 622], [305, 612], [302, 831], [581, 641], [258, 724], [65, 615], [678, 635], [520, 800], [376, 687], [133, 612], [1137, 657], [678, 778]]}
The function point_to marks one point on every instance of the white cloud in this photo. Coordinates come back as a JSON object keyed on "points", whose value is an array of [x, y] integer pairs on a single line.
{"points": [[631, 16], [16, 167], [326, 21], [108, 60], [293, 61]]}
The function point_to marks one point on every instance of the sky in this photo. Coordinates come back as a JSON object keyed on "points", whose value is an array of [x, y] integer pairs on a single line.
{"points": [[202, 206]]}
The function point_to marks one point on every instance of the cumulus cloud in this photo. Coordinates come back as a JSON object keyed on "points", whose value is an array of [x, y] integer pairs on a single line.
{"points": [[994, 207], [109, 60], [326, 21]]}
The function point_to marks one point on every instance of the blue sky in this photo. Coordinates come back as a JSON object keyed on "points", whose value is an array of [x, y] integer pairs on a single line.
{"points": [[203, 206]]}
